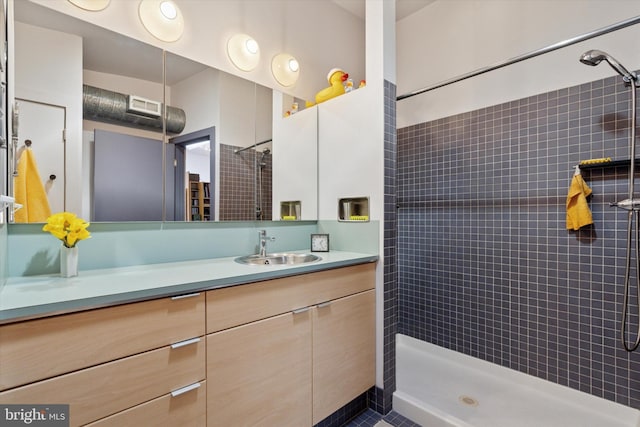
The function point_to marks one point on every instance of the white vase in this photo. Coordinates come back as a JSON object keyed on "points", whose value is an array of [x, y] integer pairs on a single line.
{"points": [[68, 261]]}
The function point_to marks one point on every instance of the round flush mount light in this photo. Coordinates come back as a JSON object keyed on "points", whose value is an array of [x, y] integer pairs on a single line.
{"points": [[162, 19], [243, 52], [92, 5], [285, 69], [168, 10]]}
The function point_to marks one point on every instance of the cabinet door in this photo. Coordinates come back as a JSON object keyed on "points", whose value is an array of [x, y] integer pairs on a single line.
{"points": [[259, 374], [343, 352]]}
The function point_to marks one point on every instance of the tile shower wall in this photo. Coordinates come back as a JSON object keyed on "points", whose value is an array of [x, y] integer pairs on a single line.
{"points": [[241, 186], [381, 399], [486, 266]]}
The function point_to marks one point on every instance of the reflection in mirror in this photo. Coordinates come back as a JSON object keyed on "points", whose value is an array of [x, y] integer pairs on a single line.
{"points": [[227, 176], [65, 67], [103, 92], [105, 128]]}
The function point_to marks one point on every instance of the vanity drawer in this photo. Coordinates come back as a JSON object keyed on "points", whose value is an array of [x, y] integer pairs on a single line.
{"points": [[332, 284], [43, 348], [186, 410], [237, 305], [103, 390]]}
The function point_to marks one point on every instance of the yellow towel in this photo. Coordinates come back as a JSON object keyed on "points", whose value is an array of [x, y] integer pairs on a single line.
{"points": [[29, 191], [578, 212]]}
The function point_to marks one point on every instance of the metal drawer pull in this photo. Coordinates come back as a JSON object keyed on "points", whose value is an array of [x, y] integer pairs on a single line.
{"points": [[301, 310], [324, 304], [185, 342], [185, 296], [178, 392]]}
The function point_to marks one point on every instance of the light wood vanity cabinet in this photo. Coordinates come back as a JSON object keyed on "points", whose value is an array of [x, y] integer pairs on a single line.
{"points": [[105, 361], [291, 351], [285, 352]]}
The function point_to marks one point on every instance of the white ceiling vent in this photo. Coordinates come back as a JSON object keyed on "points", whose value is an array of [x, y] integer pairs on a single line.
{"points": [[145, 107]]}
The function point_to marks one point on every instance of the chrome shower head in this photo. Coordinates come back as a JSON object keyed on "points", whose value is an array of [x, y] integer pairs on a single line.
{"points": [[594, 57]]}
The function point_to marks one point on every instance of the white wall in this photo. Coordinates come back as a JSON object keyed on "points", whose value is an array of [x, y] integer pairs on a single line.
{"points": [[450, 38], [295, 159], [198, 97], [199, 162], [264, 115], [48, 66], [237, 111]]}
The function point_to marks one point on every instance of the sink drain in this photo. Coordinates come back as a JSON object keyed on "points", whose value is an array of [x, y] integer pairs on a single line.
{"points": [[467, 400]]}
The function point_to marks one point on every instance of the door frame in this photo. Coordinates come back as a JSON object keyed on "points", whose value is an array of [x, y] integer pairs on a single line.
{"points": [[181, 141]]}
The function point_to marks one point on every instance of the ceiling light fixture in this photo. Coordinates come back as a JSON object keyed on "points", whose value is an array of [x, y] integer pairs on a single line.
{"points": [[91, 5], [243, 51], [162, 19], [286, 69], [168, 10]]}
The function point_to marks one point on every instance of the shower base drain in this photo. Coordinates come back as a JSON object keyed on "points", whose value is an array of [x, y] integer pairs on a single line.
{"points": [[467, 400]]}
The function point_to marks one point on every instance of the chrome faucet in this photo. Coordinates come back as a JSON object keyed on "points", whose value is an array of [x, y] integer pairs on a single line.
{"points": [[263, 241]]}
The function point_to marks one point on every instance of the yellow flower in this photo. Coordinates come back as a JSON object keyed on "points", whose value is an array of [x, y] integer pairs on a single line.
{"points": [[67, 227]]}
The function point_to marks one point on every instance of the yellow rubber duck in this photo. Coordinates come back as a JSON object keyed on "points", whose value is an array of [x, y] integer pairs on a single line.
{"points": [[336, 77]]}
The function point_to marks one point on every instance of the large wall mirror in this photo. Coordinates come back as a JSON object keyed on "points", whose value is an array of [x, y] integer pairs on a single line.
{"points": [[89, 104]]}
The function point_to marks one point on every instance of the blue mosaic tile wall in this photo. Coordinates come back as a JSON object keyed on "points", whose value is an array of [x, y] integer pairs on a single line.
{"points": [[381, 399], [485, 264]]}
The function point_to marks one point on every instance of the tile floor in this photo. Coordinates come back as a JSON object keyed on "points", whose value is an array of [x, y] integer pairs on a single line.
{"points": [[370, 418]]}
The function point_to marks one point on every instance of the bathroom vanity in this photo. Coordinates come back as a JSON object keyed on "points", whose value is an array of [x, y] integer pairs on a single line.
{"points": [[273, 346]]}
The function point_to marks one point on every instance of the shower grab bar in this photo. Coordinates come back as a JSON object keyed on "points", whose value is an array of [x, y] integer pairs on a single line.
{"points": [[599, 32]]}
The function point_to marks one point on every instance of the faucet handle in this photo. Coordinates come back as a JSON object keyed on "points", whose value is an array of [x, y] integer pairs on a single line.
{"points": [[263, 235]]}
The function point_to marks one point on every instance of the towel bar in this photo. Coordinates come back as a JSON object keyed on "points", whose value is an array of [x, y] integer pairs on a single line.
{"points": [[611, 164]]}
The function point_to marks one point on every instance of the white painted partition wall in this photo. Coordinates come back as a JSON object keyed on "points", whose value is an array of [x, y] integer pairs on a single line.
{"points": [[351, 135], [295, 159]]}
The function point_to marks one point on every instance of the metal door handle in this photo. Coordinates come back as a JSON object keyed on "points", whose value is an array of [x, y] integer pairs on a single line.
{"points": [[185, 342], [301, 310], [185, 296], [183, 390]]}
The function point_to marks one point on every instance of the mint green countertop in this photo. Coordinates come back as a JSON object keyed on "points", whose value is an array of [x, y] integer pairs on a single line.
{"points": [[32, 297]]}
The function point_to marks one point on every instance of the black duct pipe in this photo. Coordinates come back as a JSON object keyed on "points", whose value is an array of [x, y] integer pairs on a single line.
{"points": [[103, 105]]}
